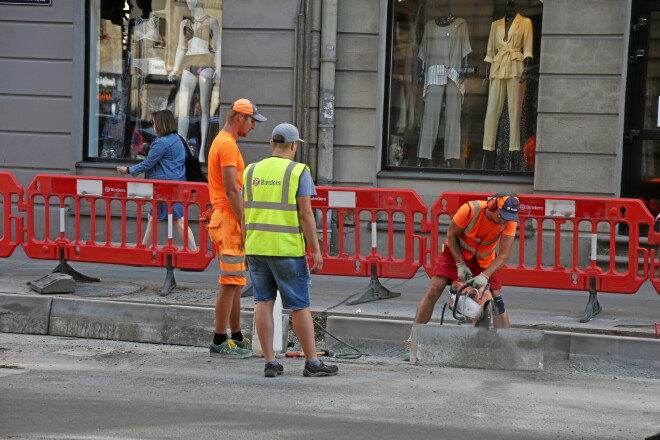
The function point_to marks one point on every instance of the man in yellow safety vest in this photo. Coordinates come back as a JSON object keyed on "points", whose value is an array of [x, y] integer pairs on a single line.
{"points": [[277, 218]]}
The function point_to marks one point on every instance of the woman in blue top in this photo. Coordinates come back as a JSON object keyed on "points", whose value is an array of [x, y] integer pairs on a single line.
{"points": [[165, 161]]}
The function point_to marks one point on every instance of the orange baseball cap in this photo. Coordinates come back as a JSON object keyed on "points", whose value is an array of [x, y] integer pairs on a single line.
{"points": [[246, 107]]}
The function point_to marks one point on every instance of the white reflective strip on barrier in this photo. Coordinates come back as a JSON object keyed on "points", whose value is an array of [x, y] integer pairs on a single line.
{"points": [[594, 239], [373, 235], [89, 187], [341, 199], [169, 225], [61, 219], [139, 190]]}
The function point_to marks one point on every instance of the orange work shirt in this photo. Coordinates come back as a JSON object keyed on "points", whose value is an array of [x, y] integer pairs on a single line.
{"points": [[224, 153], [485, 230]]}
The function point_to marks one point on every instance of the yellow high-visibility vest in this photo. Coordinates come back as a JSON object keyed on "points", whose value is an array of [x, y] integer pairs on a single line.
{"points": [[271, 211]]}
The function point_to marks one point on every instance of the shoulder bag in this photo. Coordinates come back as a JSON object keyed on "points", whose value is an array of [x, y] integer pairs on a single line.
{"points": [[194, 172]]}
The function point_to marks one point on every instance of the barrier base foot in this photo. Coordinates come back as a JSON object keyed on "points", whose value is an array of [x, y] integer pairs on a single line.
{"points": [[374, 291], [66, 269], [170, 282], [593, 306]]}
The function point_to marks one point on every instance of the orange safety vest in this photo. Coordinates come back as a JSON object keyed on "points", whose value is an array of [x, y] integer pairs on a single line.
{"points": [[473, 245]]}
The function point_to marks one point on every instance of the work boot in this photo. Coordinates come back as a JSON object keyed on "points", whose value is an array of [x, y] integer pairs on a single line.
{"points": [[271, 369], [319, 370]]}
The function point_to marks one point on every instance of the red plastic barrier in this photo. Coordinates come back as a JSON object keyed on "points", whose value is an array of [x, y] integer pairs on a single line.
{"points": [[654, 258], [11, 224], [115, 249], [349, 203], [561, 210]]}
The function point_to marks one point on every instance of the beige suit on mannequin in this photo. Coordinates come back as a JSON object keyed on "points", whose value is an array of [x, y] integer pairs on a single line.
{"points": [[507, 59]]}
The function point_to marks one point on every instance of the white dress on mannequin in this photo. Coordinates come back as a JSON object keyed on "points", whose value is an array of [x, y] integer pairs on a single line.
{"points": [[198, 60], [442, 50]]}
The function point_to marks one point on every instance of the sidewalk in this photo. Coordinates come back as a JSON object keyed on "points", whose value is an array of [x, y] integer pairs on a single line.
{"points": [[158, 319]]}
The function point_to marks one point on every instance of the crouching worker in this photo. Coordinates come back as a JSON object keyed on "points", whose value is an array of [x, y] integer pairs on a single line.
{"points": [[277, 218], [469, 252]]}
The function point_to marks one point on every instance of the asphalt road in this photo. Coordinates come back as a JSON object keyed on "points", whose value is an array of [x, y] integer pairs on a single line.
{"points": [[55, 388]]}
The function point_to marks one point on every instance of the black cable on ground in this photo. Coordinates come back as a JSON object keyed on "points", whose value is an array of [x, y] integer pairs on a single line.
{"points": [[357, 355]]}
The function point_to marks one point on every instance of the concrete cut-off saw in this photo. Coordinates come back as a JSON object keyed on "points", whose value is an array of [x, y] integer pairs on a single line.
{"points": [[469, 305]]}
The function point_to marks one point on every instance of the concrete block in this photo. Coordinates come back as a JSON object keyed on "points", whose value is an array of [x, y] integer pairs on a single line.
{"points": [[639, 350], [188, 325], [470, 347], [570, 174], [24, 314], [604, 17], [579, 95], [556, 345], [379, 337], [577, 134], [107, 320], [184, 325], [582, 56], [123, 321]]}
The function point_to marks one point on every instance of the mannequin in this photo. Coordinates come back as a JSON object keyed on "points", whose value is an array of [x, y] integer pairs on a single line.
{"points": [[197, 60], [444, 49], [445, 17], [507, 60], [149, 37]]}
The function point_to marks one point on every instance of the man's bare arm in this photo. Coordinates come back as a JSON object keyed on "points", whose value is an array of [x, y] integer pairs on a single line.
{"points": [[453, 233], [506, 245], [232, 191], [308, 224]]}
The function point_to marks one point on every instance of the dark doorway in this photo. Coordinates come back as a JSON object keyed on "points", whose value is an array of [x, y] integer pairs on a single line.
{"points": [[641, 146]]}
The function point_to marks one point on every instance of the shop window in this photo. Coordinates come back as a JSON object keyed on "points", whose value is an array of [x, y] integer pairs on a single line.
{"points": [[150, 55], [463, 85]]}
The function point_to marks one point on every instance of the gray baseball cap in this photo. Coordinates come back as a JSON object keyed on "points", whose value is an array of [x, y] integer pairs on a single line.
{"points": [[288, 132]]}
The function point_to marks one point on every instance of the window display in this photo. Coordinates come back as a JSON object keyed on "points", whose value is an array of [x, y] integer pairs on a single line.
{"points": [[150, 55], [463, 84]]}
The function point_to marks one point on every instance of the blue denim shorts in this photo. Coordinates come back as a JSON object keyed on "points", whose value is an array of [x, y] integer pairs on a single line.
{"points": [[288, 274], [161, 211]]}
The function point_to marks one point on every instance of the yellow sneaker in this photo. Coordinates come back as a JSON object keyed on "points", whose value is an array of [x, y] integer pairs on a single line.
{"points": [[406, 355], [245, 344], [229, 349]]}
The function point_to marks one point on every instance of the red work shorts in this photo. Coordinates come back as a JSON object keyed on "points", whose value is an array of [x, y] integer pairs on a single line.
{"points": [[445, 266]]}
